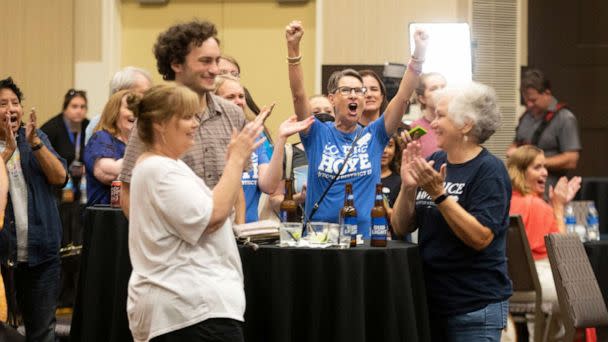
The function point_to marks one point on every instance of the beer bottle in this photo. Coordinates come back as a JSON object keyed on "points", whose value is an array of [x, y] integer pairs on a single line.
{"points": [[379, 222], [348, 215], [289, 209]]}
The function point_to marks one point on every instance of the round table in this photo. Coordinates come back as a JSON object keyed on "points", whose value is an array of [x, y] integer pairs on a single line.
{"points": [[357, 294]]}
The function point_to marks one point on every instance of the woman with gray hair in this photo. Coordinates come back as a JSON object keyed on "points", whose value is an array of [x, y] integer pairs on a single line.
{"points": [[459, 199]]}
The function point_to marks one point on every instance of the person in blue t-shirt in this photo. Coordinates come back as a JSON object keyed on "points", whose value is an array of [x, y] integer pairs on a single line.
{"points": [[328, 143], [265, 173], [459, 200], [106, 148]]}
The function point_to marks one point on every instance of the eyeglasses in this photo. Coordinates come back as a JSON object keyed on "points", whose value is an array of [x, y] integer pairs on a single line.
{"points": [[345, 91], [234, 73]]}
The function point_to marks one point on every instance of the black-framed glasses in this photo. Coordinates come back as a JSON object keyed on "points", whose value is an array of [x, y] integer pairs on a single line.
{"points": [[345, 91]]}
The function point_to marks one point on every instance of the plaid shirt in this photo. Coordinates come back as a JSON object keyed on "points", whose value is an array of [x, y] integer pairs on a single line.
{"points": [[207, 157]]}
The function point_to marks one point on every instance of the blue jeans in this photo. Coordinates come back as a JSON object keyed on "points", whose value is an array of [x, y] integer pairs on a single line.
{"points": [[485, 324], [37, 290]]}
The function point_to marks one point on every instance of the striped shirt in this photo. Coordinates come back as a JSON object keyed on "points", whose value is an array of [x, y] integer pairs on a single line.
{"points": [[207, 157]]}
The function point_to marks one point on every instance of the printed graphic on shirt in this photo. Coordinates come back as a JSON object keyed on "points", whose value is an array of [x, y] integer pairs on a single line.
{"points": [[251, 177], [357, 165], [453, 190]]}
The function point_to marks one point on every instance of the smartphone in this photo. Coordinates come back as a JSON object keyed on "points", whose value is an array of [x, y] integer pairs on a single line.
{"points": [[416, 132]]}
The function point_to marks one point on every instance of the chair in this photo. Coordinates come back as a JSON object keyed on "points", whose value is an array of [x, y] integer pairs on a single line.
{"points": [[581, 302], [527, 293]]}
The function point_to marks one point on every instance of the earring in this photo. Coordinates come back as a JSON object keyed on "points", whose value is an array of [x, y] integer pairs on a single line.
{"points": [[465, 138]]}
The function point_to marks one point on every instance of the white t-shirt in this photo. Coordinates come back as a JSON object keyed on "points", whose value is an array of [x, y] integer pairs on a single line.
{"points": [[18, 191], [181, 275]]}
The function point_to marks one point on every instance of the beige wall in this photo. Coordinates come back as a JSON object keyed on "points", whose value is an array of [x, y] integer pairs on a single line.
{"points": [[251, 31], [374, 32], [38, 51]]}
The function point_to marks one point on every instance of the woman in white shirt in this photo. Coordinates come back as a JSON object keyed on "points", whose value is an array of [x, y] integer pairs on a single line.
{"points": [[187, 281]]}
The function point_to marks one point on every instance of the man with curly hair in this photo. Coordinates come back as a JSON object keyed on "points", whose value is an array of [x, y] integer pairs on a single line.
{"points": [[188, 54]]}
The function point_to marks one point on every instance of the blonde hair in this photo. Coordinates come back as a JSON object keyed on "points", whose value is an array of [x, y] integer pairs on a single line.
{"points": [[111, 112], [518, 163], [159, 104], [221, 79]]}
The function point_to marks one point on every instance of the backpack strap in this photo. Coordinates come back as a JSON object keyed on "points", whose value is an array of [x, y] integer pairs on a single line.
{"points": [[543, 125]]}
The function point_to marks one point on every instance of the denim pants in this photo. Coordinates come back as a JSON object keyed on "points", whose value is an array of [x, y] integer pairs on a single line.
{"points": [[485, 325], [37, 290]]}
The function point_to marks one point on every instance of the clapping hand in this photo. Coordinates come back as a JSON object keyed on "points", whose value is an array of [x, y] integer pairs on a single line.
{"points": [[9, 136], [564, 190], [416, 171], [244, 142], [30, 129]]}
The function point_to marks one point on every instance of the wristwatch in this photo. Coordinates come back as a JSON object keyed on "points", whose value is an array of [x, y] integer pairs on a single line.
{"points": [[37, 146], [440, 198]]}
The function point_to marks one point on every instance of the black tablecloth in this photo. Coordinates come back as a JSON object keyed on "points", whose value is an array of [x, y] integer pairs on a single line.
{"points": [[597, 251], [359, 294], [100, 310], [596, 189]]}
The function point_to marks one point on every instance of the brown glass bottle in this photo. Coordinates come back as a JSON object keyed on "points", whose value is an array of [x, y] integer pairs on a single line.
{"points": [[379, 222], [348, 215], [289, 208]]}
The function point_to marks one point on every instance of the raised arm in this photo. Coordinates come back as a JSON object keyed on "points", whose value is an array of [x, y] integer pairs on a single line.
{"points": [[229, 186], [395, 109], [269, 175], [293, 35], [51, 166]]}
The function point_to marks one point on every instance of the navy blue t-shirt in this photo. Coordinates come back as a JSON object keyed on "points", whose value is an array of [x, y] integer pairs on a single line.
{"points": [[458, 278], [326, 148], [101, 145]]}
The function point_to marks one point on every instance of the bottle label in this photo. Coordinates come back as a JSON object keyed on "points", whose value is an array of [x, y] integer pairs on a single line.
{"points": [[379, 228], [350, 197], [350, 225]]}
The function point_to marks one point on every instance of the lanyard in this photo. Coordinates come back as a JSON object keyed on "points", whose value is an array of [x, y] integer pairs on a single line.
{"points": [[75, 142]]}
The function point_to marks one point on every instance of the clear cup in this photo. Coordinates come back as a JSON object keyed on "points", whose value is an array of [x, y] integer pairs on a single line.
{"points": [[333, 233], [290, 233], [317, 232]]}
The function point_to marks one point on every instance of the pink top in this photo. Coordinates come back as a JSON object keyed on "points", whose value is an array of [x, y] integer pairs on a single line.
{"points": [[429, 140]]}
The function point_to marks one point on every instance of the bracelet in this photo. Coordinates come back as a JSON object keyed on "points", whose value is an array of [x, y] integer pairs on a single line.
{"points": [[440, 199], [294, 60], [293, 63], [37, 147], [417, 60], [415, 67]]}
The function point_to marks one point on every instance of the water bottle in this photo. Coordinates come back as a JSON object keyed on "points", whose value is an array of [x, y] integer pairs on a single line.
{"points": [[570, 219], [593, 223], [83, 190]]}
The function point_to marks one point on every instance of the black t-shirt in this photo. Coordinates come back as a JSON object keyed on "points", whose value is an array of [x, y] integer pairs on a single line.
{"points": [[458, 278], [392, 185]]}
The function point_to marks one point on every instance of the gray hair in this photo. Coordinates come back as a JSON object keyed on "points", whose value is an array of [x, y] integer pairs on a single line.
{"points": [[125, 78], [475, 103], [336, 76]]}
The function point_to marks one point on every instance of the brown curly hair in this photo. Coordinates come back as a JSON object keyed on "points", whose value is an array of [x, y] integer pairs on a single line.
{"points": [[173, 45]]}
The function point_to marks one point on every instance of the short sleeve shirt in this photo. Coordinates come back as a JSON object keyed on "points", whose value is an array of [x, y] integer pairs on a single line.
{"points": [[560, 135], [458, 278], [101, 145], [326, 148], [207, 157]]}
